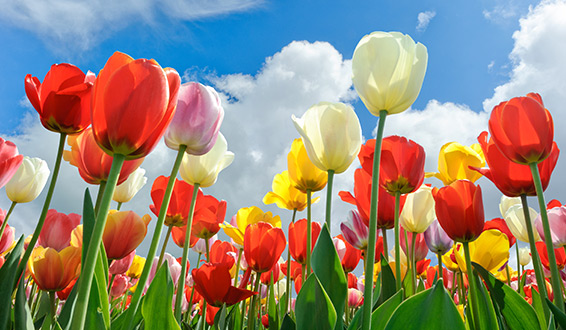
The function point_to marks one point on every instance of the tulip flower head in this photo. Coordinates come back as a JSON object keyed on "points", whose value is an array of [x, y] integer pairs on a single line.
{"points": [[355, 231], [285, 195], [388, 70], [209, 215], [350, 255], [418, 212], [213, 282], [7, 239], [490, 250], [436, 238], [455, 160], [515, 220], [421, 248], [501, 225], [120, 266], [557, 222], [124, 231], [302, 172], [178, 211], [28, 181], [10, 160], [559, 253], [56, 231], [298, 239], [524, 256], [53, 270], [245, 217], [332, 135], [125, 191], [402, 165], [263, 245]]}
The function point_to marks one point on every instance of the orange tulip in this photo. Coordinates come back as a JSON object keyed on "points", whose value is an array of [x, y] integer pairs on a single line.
{"points": [[223, 253], [209, 214], [214, 283], [133, 102], [263, 245], [124, 231], [298, 239], [178, 211], [52, 270], [178, 235]]}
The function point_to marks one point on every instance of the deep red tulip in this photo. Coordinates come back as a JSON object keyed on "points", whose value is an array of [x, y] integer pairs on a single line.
{"points": [[196, 296], [552, 204], [459, 209], [352, 281], [263, 245], [543, 253], [10, 160], [178, 211], [214, 283], [522, 129], [510, 178], [133, 102], [298, 239], [500, 225], [350, 256], [63, 99], [56, 231], [209, 214], [265, 278]]}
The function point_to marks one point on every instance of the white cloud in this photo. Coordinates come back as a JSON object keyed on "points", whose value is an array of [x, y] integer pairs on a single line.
{"points": [[499, 13], [424, 19], [80, 25]]}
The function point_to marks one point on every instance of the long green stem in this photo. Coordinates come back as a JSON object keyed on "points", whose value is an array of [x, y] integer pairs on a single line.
{"points": [[385, 244], [53, 308], [101, 189], [329, 198], [23, 262], [252, 310], [240, 251], [119, 206], [372, 232], [288, 284], [555, 275], [414, 261], [193, 289], [309, 231], [181, 284], [472, 285], [164, 246], [541, 282], [439, 265], [5, 222], [518, 267], [134, 304], [397, 243]]}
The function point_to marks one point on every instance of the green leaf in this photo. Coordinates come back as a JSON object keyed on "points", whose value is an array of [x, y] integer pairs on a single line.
{"points": [[433, 308], [88, 222], [421, 286], [380, 316], [220, 318], [313, 308], [283, 306], [118, 323], [408, 283], [22, 315], [537, 305], [288, 323], [157, 309], [388, 285], [487, 316], [559, 315], [356, 321], [518, 314], [8, 280], [327, 267], [272, 310], [376, 291]]}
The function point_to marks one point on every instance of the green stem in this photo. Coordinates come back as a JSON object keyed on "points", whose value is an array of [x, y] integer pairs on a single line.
{"points": [[5, 222], [134, 304], [252, 310], [110, 283], [101, 189], [164, 246], [23, 262], [439, 265], [372, 231], [537, 266], [472, 286], [555, 278], [87, 273], [288, 284], [518, 268], [119, 206], [414, 261], [181, 284], [240, 251], [309, 231], [193, 289], [508, 275], [385, 244], [329, 197], [397, 242], [53, 308]]}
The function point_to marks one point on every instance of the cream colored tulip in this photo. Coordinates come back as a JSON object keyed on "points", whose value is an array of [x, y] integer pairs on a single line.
{"points": [[507, 202], [28, 181], [204, 169], [418, 212], [128, 189], [515, 220], [388, 70], [524, 256], [332, 135]]}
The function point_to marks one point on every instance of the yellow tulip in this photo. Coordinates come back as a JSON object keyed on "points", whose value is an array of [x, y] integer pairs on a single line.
{"points": [[454, 160], [247, 216], [136, 267], [303, 173], [285, 195], [490, 250], [447, 260]]}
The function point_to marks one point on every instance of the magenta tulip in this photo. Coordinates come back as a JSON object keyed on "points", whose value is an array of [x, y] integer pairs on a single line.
{"points": [[10, 160], [355, 231]]}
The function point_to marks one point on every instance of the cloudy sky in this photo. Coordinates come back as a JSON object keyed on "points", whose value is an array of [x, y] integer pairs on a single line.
{"points": [[272, 59]]}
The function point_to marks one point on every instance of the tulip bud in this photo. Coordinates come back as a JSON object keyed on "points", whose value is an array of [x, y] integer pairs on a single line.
{"points": [[355, 298], [436, 239], [28, 181], [10, 160], [515, 220], [506, 203], [557, 223], [355, 231], [128, 189], [524, 256], [418, 211]]}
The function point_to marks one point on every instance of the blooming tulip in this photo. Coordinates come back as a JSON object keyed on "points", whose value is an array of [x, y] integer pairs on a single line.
{"points": [[388, 70], [490, 250], [213, 282], [524, 256], [204, 169], [263, 245], [245, 217], [459, 208], [10, 160], [355, 298], [557, 222], [63, 99], [124, 231], [133, 102], [298, 239], [559, 253], [522, 129], [302, 172], [120, 266], [136, 267], [178, 235], [209, 214], [350, 256], [285, 195], [436, 239], [53, 270], [454, 161], [515, 219], [332, 135], [355, 231], [418, 212], [172, 263], [220, 253], [197, 119], [28, 181], [500, 225], [56, 231], [178, 211], [125, 191]]}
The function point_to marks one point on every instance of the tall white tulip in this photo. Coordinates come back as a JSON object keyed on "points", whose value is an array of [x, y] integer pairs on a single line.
{"points": [[128, 189], [515, 220], [418, 212], [28, 181], [388, 70], [506, 202]]}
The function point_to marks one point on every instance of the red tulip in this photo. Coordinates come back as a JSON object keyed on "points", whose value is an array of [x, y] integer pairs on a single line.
{"points": [[500, 225], [124, 231], [10, 160], [352, 281], [543, 253], [53, 270], [178, 235], [223, 253], [179, 205], [459, 209], [263, 245], [265, 278], [56, 231], [133, 102], [522, 129], [298, 239], [510, 178], [63, 99], [421, 249], [295, 269], [214, 283], [350, 256], [209, 214]]}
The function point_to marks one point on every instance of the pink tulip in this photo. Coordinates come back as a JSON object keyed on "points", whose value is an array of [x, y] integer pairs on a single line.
{"points": [[197, 119], [174, 269], [56, 231], [557, 222], [7, 238], [10, 160], [436, 239], [421, 250], [120, 266], [355, 298], [355, 231], [119, 286]]}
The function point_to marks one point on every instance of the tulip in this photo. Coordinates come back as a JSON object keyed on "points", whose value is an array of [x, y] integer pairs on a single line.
{"points": [[421, 248], [136, 267], [557, 222], [388, 71], [10, 160], [172, 263], [332, 135], [124, 231], [265, 278], [355, 298], [28, 181], [53, 270], [302, 172], [213, 282], [506, 203], [524, 256], [355, 231], [220, 253], [263, 245], [515, 219], [200, 244], [209, 214], [178, 235], [178, 210], [418, 212], [500, 225], [559, 252], [56, 232], [402, 165], [7, 238], [349, 255], [245, 217], [119, 286], [436, 239], [490, 250], [128, 189], [298, 239], [285, 195], [204, 169], [522, 129], [120, 266], [197, 119], [455, 162], [137, 92], [63, 99]]}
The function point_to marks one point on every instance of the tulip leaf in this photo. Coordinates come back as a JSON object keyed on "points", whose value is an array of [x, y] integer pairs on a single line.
{"points": [[88, 222], [376, 291], [22, 315], [559, 315], [388, 285], [8, 280], [381, 315], [328, 269], [487, 316], [118, 323], [432, 307], [283, 307], [517, 313], [157, 309], [313, 308], [537, 305], [408, 283], [288, 323], [272, 314], [355, 323]]}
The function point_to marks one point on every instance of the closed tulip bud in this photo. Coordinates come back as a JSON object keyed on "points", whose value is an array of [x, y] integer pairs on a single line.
{"points": [[524, 256], [7, 239], [204, 169], [332, 135], [418, 212], [57, 229], [10, 160], [355, 298], [263, 245], [119, 285], [388, 70], [128, 189], [401, 166], [303, 173], [506, 202], [28, 181], [557, 223], [298, 239], [421, 249], [197, 119], [200, 245], [120, 266], [355, 231], [454, 161], [53, 270], [436, 239], [124, 231], [136, 267], [515, 219]]}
